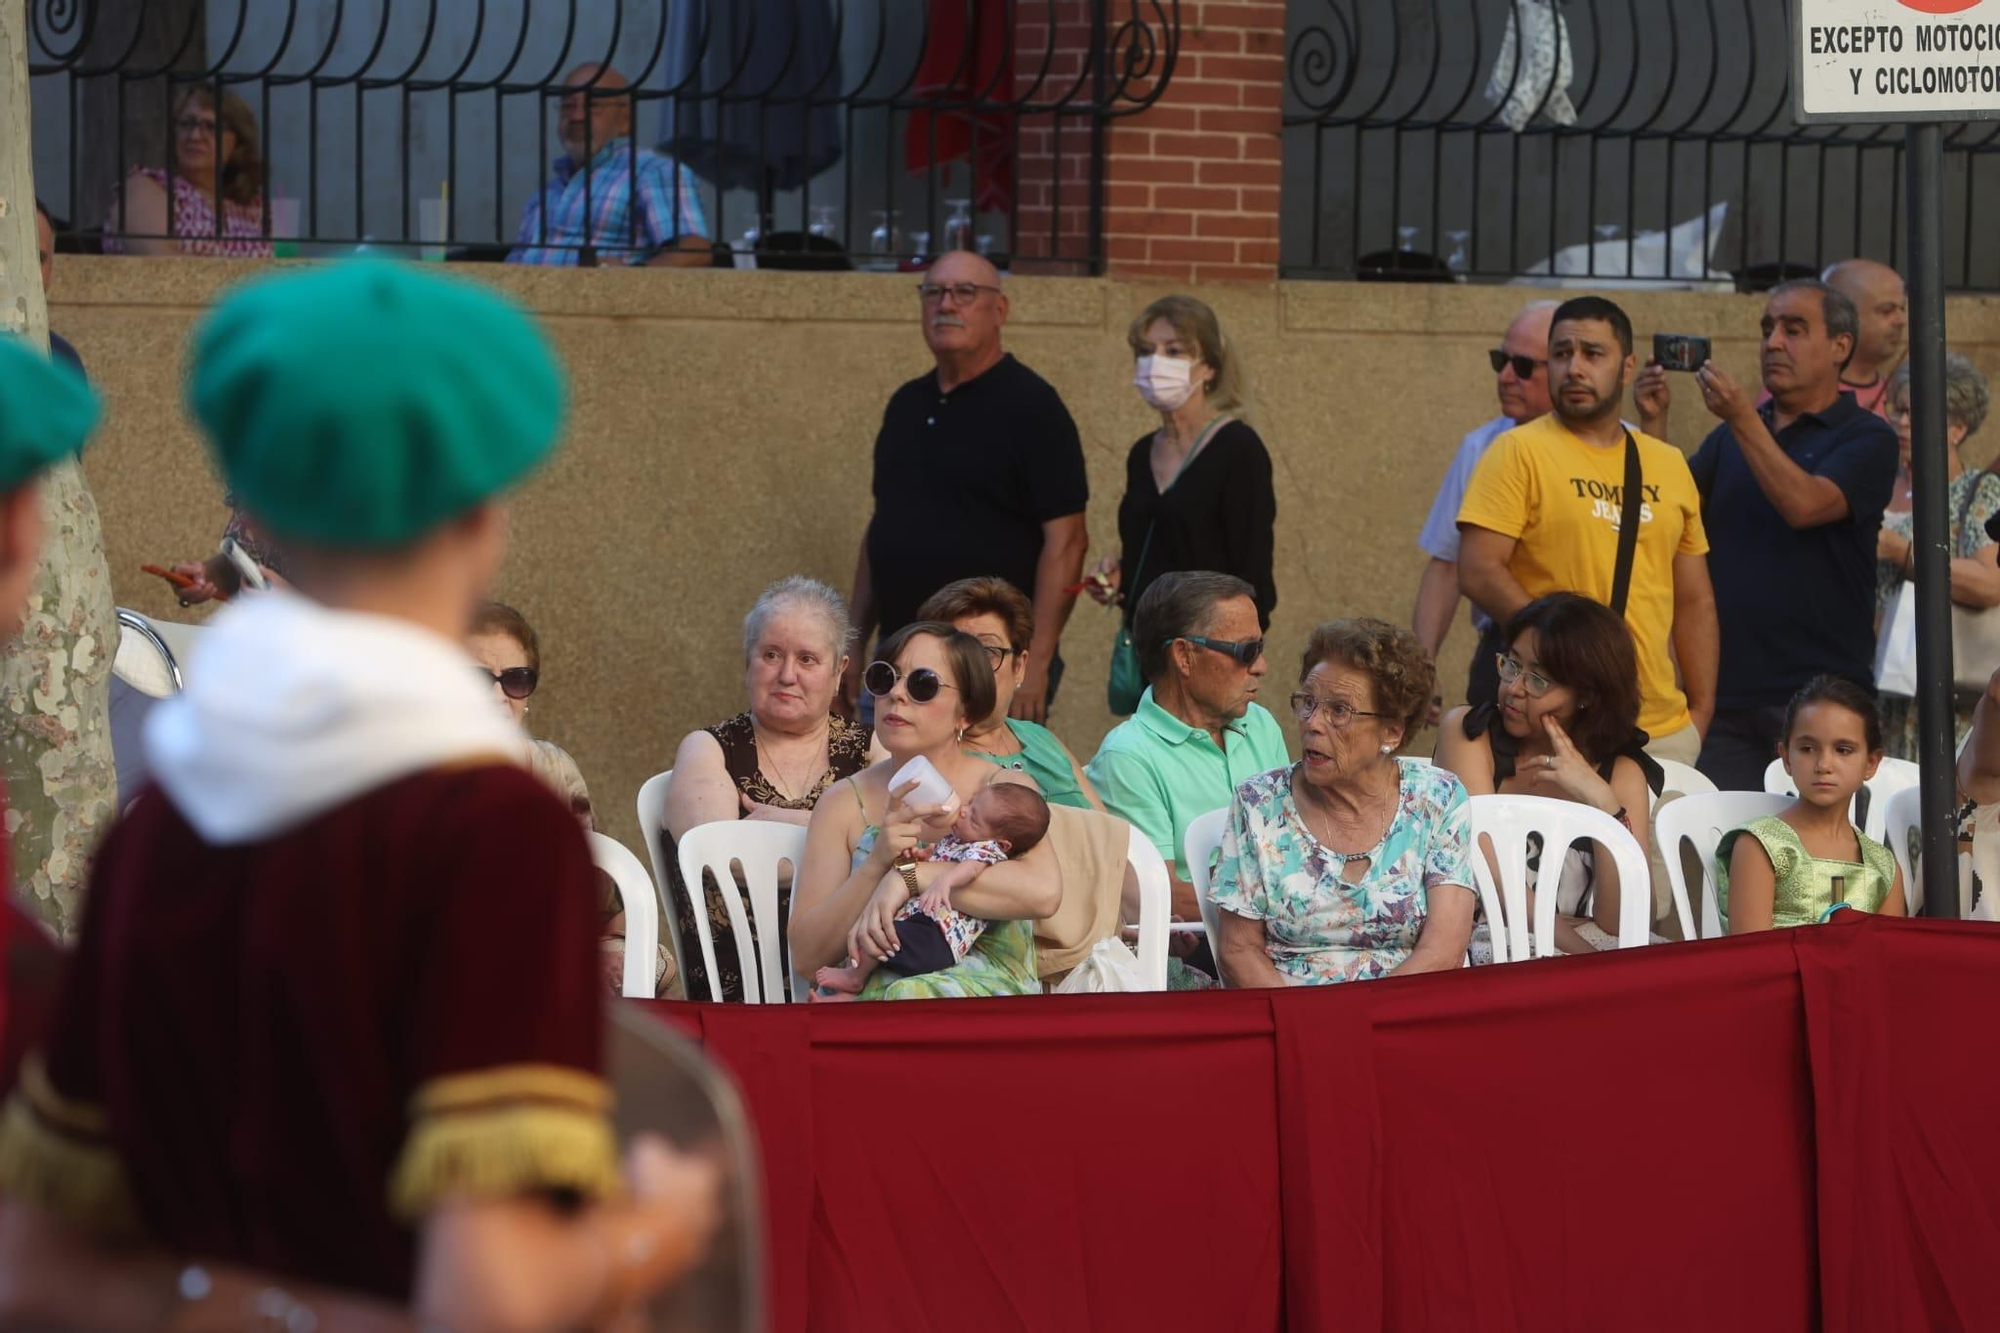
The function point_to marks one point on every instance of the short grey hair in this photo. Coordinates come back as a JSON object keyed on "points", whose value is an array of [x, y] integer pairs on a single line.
{"points": [[1966, 395], [799, 593], [1175, 606], [1836, 310]]}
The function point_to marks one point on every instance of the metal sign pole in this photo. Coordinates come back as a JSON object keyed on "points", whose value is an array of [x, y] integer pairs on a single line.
{"points": [[1930, 482]]}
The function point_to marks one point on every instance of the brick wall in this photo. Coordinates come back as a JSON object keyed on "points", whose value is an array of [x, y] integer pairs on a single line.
{"points": [[1192, 182]]}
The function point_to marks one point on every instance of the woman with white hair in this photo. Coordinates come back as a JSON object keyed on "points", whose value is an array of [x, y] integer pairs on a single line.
{"points": [[771, 761], [1972, 499]]}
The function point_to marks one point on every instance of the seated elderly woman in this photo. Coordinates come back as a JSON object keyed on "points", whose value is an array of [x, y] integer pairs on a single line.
{"points": [[1974, 497], [930, 684], [994, 612], [1352, 863], [1566, 725], [773, 760]]}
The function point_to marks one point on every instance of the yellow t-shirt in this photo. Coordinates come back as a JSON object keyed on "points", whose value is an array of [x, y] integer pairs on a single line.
{"points": [[1562, 499]]}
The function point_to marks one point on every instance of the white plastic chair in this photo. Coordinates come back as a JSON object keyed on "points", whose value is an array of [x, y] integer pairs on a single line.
{"points": [[1682, 779], [653, 827], [1204, 835], [757, 848], [1155, 908], [1891, 776], [1702, 818], [1507, 820], [1903, 821], [642, 912]]}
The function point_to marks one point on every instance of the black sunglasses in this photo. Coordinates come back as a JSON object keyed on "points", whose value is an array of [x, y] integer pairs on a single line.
{"points": [[514, 682], [1524, 366], [922, 685], [1245, 651]]}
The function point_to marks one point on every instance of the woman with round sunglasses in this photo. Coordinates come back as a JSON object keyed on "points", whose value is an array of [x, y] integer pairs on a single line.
{"points": [[930, 684], [1353, 863], [1565, 726], [996, 613], [507, 650]]}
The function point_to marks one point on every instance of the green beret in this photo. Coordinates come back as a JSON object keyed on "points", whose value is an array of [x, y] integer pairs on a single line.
{"points": [[361, 404], [47, 411]]}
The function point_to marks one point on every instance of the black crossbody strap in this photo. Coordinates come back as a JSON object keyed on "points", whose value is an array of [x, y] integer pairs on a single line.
{"points": [[1628, 528]]}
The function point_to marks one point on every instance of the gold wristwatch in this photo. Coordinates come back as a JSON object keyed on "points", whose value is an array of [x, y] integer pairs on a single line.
{"points": [[908, 870]]}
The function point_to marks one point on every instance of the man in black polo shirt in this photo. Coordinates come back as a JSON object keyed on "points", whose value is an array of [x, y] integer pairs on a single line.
{"points": [[978, 471], [1792, 496]]}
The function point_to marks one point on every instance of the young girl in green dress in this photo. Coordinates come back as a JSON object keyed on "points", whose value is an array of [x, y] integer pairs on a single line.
{"points": [[1795, 867]]}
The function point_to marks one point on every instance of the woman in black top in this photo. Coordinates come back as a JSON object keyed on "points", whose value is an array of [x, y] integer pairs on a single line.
{"points": [[1197, 490], [1565, 725]]}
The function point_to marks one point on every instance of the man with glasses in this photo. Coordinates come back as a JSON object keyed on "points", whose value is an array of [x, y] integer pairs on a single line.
{"points": [[1199, 732], [978, 471], [1521, 379], [1548, 511], [609, 201]]}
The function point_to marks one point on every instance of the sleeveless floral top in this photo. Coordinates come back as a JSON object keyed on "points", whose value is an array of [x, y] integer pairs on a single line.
{"points": [[193, 222]]}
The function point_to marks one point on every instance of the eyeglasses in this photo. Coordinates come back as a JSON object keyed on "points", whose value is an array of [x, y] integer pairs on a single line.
{"points": [[1511, 670], [922, 685], [514, 682], [1245, 651], [997, 655], [1524, 366], [196, 125], [1338, 713], [965, 293]]}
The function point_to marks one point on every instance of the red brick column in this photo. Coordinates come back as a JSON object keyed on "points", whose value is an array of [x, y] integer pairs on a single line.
{"points": [[1191, 187]]}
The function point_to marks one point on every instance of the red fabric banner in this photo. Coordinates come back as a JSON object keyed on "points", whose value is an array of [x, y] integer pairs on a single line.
{"points": [[1791, 1130]]}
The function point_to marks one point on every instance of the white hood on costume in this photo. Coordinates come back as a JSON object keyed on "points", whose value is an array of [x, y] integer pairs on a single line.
{"points": [[292, 709]]}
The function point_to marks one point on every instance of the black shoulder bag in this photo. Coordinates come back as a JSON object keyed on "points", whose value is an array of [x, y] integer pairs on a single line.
{"points": [[1628, 528]]}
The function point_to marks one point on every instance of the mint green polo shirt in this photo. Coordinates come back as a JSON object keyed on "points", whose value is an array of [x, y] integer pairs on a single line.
{"points": [[1159, 774]]}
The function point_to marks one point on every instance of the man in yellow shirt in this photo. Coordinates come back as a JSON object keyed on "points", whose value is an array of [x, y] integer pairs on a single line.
{"points": [[1544, 510]]}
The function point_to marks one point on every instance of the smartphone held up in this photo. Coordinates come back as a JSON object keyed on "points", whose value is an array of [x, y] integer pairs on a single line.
{"points": [[1680, 351]]}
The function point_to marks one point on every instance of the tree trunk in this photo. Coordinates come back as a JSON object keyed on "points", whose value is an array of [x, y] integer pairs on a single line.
{"points": [[122, 123], [55, 729]]}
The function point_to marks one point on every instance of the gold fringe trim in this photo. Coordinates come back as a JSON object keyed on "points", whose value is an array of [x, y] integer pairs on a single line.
{"points": [[80, 1181], [506, 1085], [500, 1152]]}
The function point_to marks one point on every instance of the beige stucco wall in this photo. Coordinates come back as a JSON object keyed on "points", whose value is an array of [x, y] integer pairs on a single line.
{"points": [[721, 433]]}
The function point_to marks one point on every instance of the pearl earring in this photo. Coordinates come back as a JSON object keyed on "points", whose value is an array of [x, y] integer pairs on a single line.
{"points": [[1388, 749]]}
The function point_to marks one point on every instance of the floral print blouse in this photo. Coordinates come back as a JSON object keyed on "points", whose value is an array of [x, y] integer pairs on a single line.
{"points": [[1319, 927]]}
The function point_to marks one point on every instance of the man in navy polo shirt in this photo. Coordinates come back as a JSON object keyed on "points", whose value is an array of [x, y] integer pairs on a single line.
{"points": [[1792, 496]]}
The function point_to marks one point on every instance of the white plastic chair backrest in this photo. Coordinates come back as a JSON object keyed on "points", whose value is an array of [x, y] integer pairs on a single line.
{"points": [[1682, 779], [145, 660], [1204, 835], [1702, 818], [1155, 907], [1507, 820], [1903, 819], [642, 912], [757, 848], [653, 826]]}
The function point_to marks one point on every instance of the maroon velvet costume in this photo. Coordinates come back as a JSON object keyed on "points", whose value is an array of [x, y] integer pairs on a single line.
{"points": [[262, 1043]]}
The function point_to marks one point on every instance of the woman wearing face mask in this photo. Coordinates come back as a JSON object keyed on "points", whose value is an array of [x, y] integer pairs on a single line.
{"points": [[1198, 489]]}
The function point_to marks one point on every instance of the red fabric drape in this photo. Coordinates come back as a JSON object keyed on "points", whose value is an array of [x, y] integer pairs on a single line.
{"points": [[1785, 1131], [967, 57]]}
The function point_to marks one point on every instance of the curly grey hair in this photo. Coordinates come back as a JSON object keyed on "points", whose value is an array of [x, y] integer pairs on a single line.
{"points": [[1966, 396], [799, 593]]}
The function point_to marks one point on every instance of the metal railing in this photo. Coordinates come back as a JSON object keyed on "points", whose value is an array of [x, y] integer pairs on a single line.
{"points": [[803, 133], [1496, 139]]}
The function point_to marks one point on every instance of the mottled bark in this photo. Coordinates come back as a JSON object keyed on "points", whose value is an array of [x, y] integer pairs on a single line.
{"points": [[55, 732]]}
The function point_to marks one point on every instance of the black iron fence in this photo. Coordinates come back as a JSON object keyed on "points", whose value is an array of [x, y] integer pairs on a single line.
{"points": [[788, 133], [1496, 139]]}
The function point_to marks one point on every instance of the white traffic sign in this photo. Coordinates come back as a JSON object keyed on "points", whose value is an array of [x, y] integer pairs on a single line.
{"points": [[1892, 61]]}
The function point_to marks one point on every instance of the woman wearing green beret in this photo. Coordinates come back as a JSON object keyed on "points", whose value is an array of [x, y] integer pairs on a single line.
{"points": [[335, 1008]]}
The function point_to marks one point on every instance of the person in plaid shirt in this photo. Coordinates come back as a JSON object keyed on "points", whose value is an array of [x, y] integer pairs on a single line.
{"points": [[593, 207]]}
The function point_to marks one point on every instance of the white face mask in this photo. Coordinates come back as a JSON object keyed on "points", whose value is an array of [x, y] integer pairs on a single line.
{"points": [[1165, 382]]}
